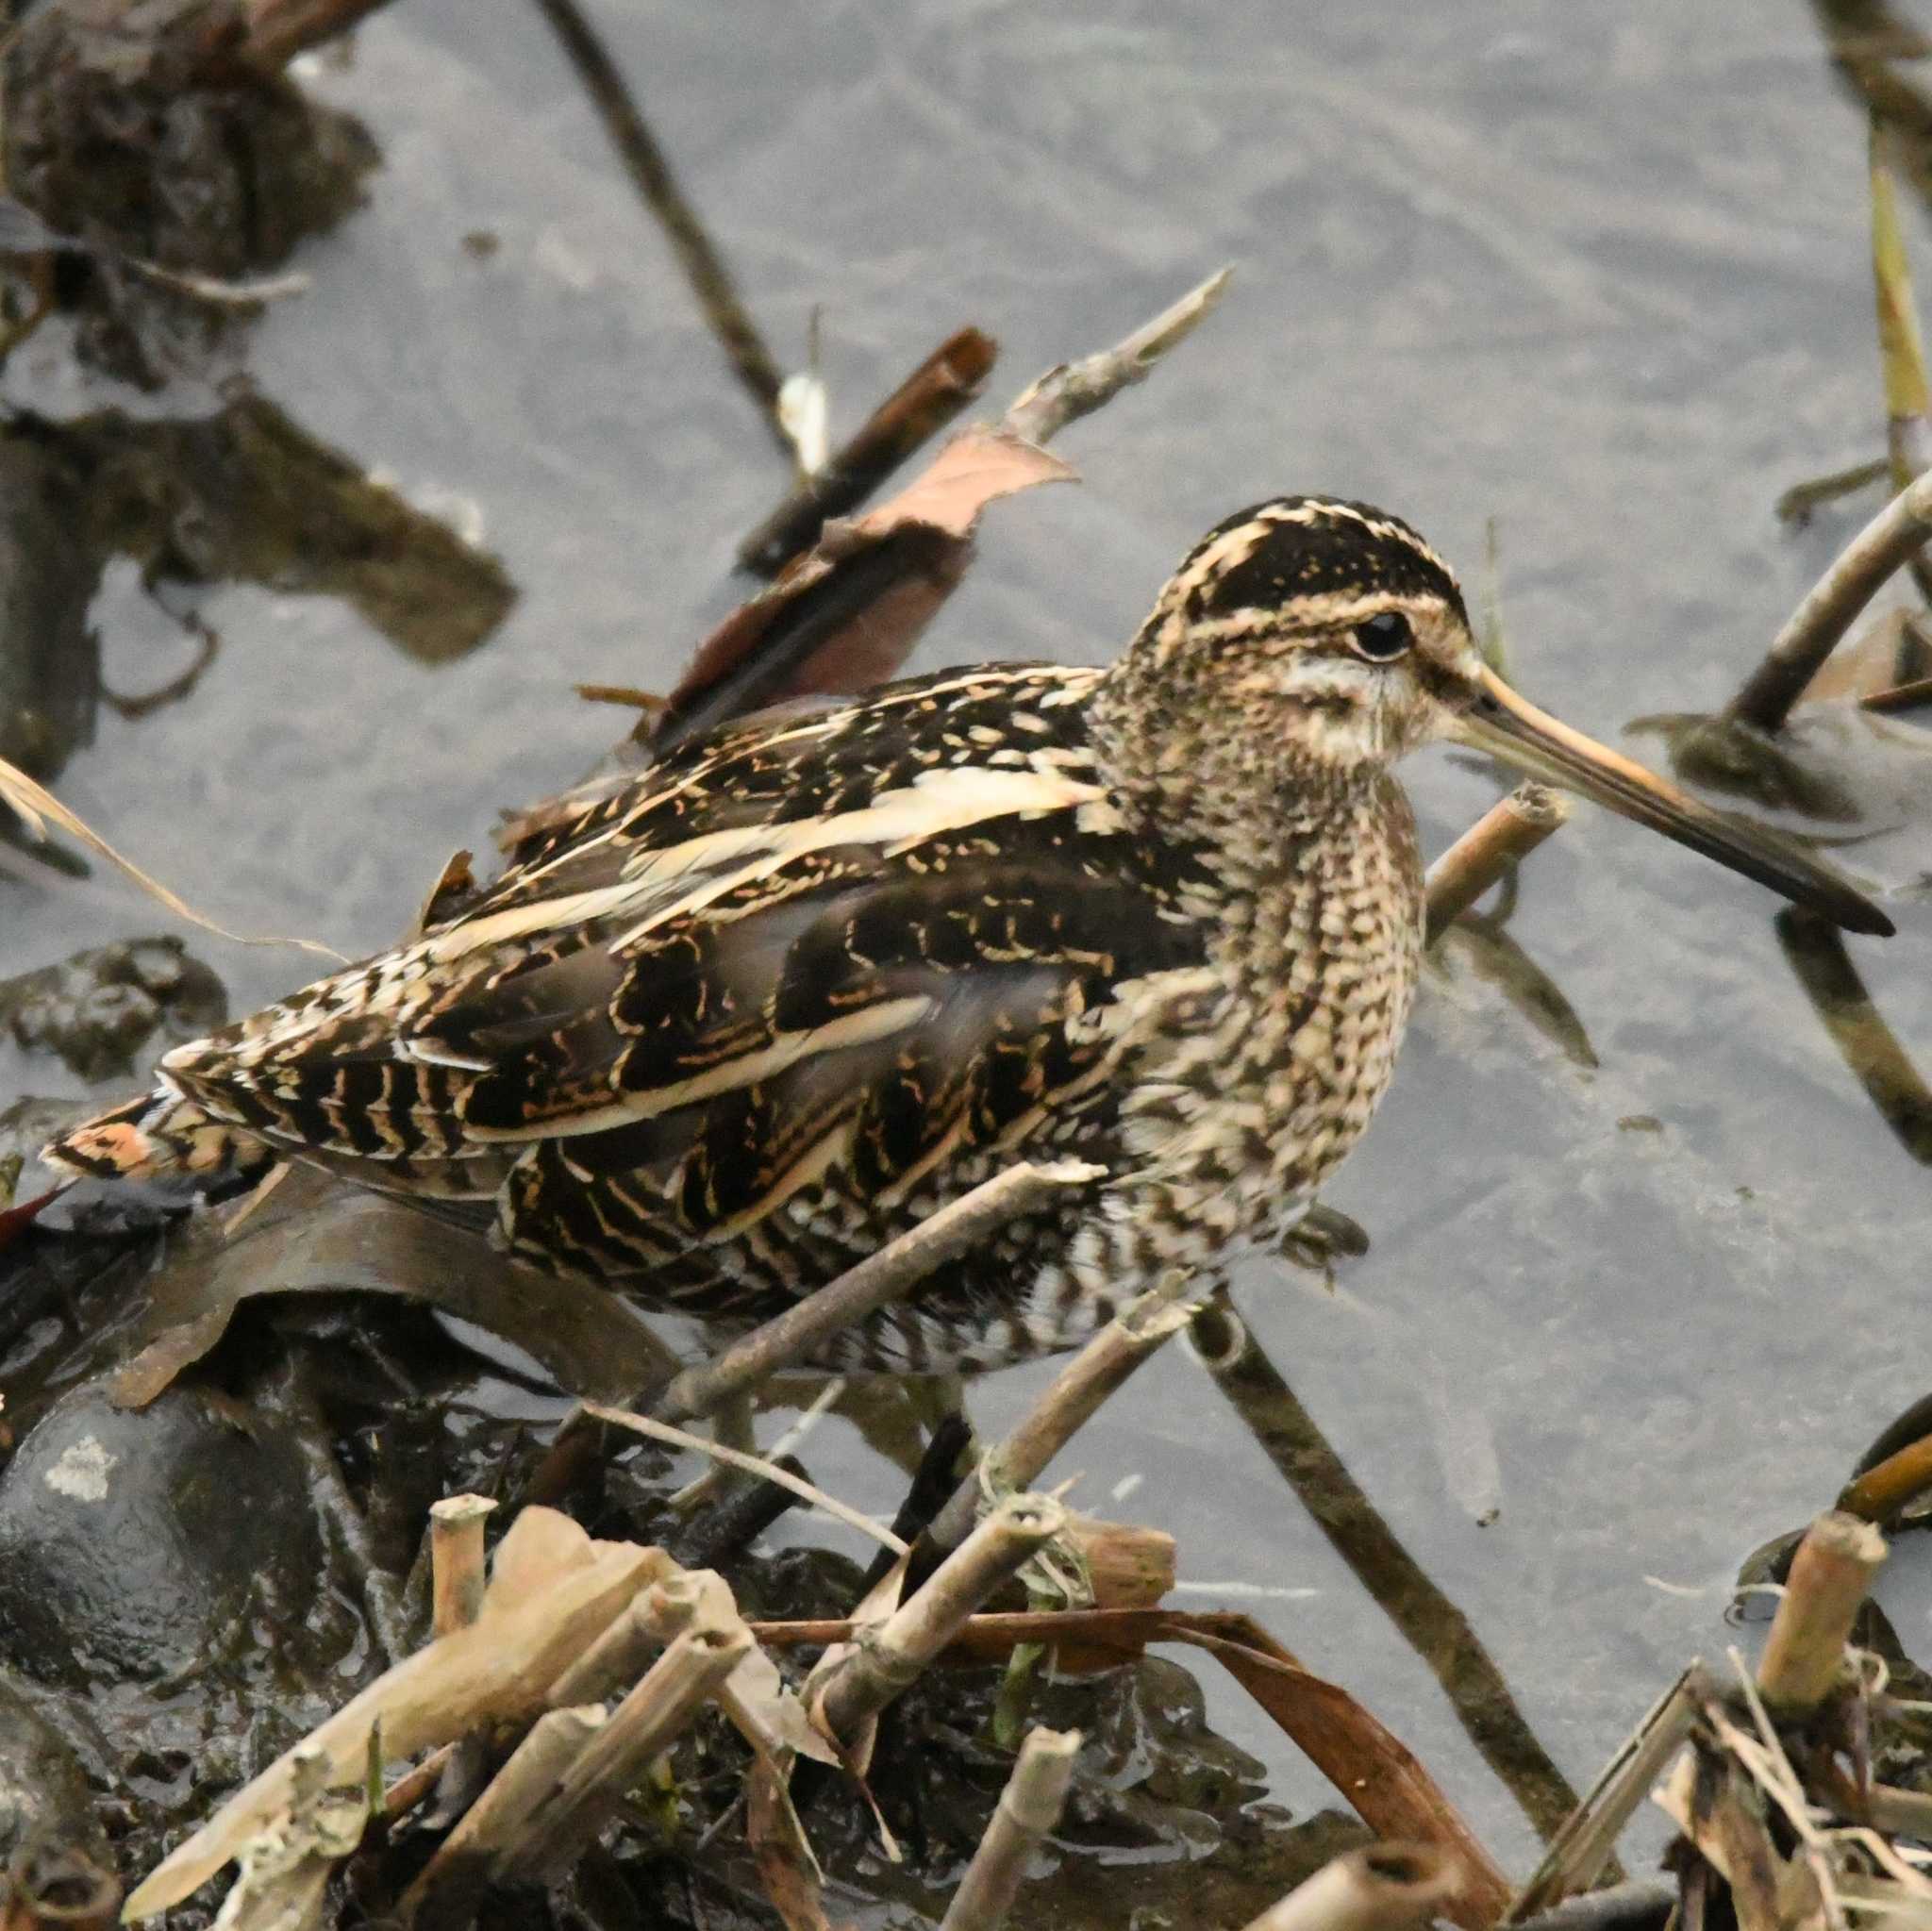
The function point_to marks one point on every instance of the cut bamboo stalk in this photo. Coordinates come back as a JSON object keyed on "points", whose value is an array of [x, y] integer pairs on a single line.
{"points": [[885, 1660], [1070, 1401], [1029, 1808], [456, 1560], [658, 1711], [469, 1858], [1383, 1886], [1503, 836], [1830, 1574]]}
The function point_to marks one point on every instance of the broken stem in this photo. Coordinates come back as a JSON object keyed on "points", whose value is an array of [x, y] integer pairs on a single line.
{"points": [[1029, 1808], [1890, 540], [1830, 1574], [886, 1658], [1070, 1401], [456, 1562], [1503, 837], [1379, 1887]]}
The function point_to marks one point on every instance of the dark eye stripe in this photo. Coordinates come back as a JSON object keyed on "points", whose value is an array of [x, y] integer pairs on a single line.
{"points": [[1382, 636]]}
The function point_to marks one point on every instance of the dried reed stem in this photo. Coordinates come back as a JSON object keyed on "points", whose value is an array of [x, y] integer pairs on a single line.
{"points": [[1911, 695], [658, 1711], [1070, 1401], [1503, 836], [1029, 1808], [1885, 1488], [1384, 1887], [1072, 389], [885, 1660], [1892, 538], [879, 1279], [651, 1619], [474, 1853], [1830, 1574], [456, 1560]]}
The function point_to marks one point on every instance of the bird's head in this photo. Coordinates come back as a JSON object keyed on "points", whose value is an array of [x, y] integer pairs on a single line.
{"points": [[1309, 642]]}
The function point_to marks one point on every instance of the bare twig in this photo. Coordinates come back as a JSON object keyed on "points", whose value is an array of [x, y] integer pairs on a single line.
{"points": [[456, 1560], [1073, 389], [1644, 1904], [1378, 1888], [916, 411], [854, 1685], [1029, 1808], [1804, 1654], [1503, 837], [875, 1283], [1070, 1401], [1798, 503], [704, 267], [1890, 540], [1911, 695]]}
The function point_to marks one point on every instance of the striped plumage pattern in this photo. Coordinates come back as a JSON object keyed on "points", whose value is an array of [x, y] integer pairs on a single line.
{"points": [[734, 1024]]}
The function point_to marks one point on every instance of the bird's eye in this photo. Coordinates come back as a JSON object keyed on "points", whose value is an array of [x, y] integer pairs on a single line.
{"points": [[1384, 637]]}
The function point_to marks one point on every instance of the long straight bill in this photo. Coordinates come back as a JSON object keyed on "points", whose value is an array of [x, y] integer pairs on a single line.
{"points": [[1506, 726]]}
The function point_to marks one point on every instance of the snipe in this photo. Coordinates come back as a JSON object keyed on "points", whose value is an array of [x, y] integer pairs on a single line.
{"points": [[729, 1029]]}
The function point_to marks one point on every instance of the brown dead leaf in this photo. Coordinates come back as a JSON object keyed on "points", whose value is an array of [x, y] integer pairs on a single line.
{"points": [[844, 616], [1371, 1768]]}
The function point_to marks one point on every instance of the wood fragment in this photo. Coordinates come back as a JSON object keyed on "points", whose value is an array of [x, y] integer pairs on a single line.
{"points": [[1805, 1652], [1385, 1887], [456, 1560], [1029, 1809], [1832, 605], [916, 411], [1503, 837]]}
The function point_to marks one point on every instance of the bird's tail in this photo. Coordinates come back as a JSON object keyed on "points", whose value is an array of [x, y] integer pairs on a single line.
{"points": [[161, 1136]]}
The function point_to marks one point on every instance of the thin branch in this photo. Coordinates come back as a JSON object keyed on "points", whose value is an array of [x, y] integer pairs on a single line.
{"points": [[1815, 627], [878, 1280], [704, 268], [1503, 837]]}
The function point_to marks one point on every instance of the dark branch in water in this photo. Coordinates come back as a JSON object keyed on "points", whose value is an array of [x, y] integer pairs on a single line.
{"points": [[645, 160]]}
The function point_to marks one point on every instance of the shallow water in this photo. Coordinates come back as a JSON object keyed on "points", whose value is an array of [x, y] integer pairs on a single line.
{"points": [[1602, 276]]}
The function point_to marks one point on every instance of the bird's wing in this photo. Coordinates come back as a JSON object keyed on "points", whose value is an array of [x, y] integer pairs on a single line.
{"points": [[845, 945]]}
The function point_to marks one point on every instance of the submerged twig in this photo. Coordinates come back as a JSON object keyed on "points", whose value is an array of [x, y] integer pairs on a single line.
{"points": [[650, 171], [1029, 1808], [1433, 1625], [916, 411], [1502, 838], [1820, 621], [1378, 1888]]}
